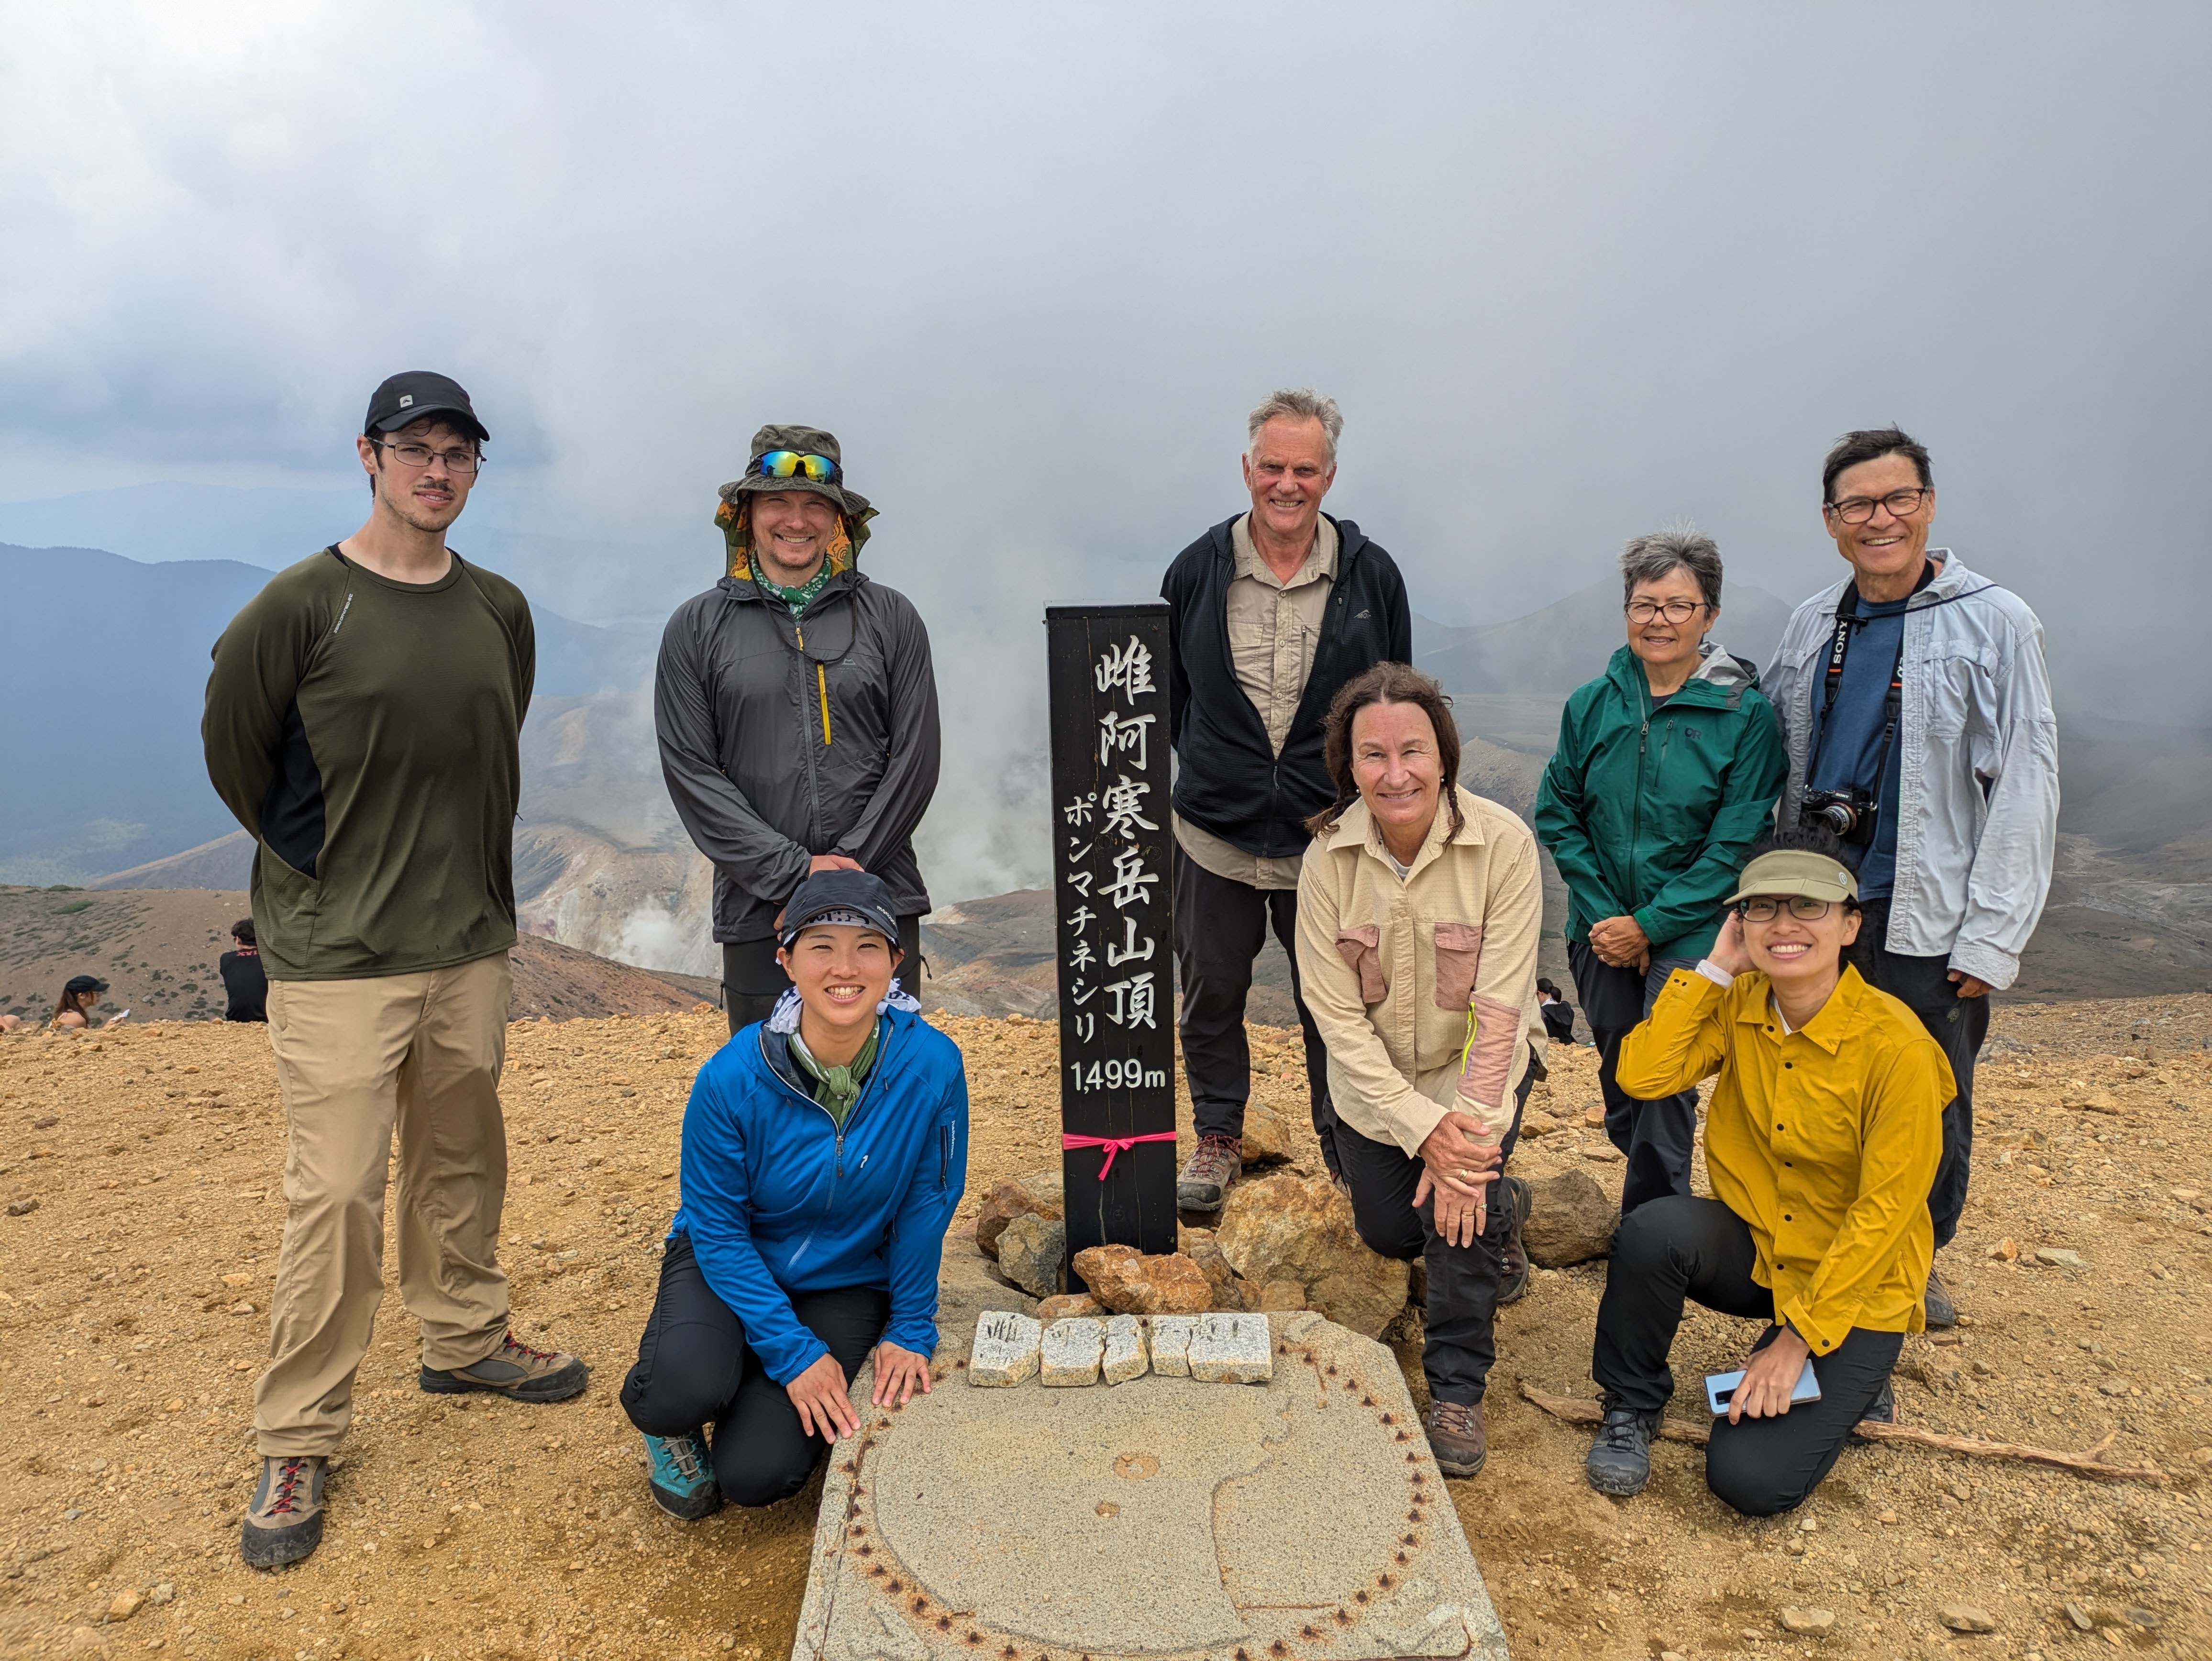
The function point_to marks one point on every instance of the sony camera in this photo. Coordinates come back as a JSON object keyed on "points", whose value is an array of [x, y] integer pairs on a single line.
{"points": [[1850, 812]]}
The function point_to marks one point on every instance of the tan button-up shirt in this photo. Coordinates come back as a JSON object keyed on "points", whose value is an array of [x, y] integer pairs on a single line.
{"points": [[1274, 627], [1424, 987]]}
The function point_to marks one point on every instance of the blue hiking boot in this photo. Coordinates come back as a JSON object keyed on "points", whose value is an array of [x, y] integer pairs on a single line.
{"points": [[682, 1479]]}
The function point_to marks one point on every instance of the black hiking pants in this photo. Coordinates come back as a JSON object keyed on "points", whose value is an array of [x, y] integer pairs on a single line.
{"points": [[694, 1368], [1960, 1025], [1219, 926], [752, 980], [1679, 1247], [1458, 1344]]}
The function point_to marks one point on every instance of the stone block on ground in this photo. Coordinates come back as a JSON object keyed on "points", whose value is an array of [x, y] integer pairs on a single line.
{"points": [[1033, 1254], [1232, 1349], [1163, 1519], [1286, 1227], [1126, 1356], [1571, 1219], [1006, 1349], [1072, 1350], [1038, 1194], [1128, 1282], [1170, 1336]]}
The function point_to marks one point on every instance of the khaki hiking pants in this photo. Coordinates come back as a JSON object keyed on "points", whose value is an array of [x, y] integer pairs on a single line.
{"points": [[420, 1053]]}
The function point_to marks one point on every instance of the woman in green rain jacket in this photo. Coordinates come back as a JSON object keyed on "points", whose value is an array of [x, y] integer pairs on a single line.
{"points": [[1667, 770]]}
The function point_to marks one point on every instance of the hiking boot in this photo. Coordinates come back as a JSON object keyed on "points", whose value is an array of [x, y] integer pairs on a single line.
{"points": [[1513, 1277], [1942, 1312], [1883, 1410], [1457, 1437], [682, 1479], [284, 1524], [1619, 1462], [1212, 1171], [516, 1371]]}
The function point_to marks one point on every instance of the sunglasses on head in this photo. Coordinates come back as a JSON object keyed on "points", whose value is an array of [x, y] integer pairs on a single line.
{"points": [[793, 464]]}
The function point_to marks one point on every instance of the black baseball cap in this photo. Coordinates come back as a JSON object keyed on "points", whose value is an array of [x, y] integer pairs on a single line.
{"points": [[415, 394], [76, 985], [858, 899]]}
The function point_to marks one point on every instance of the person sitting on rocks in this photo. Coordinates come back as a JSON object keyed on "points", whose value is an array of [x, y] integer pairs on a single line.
{"points": [[1822, 1135], [1419, 906], [81, 996], [824, 1152], [245, 982]]}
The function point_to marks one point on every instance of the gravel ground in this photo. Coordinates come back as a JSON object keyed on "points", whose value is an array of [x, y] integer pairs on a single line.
{"points": [[140, 1172]]}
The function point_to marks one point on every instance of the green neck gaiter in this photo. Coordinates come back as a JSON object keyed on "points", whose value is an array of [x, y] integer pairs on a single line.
{"points": [[803, 596], [836, 1088]]}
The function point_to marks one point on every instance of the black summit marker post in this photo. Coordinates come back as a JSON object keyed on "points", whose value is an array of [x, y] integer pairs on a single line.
{"points": [[1112, 879]]}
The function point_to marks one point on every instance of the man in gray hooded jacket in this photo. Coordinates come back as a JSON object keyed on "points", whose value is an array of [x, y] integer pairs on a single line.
{"points": [[797, 711], [1916, 711]]}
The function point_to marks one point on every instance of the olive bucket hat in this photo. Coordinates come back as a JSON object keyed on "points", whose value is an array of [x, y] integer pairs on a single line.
{"points": [[811, 447]]}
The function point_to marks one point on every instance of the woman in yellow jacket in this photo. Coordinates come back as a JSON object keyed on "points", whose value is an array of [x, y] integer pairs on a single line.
{"points": [[1822, 1136]]}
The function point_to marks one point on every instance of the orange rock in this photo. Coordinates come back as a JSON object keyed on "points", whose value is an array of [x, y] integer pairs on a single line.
{"points": [[1285, 1228], [1128, 1282], [1068, 1305]]}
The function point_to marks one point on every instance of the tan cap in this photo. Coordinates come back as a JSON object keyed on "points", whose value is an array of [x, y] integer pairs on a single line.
{"points": [[1797, 871]]}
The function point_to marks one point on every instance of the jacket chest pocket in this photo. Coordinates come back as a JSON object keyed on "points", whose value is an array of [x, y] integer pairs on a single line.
{"points": [[1823, 1121], [1361, 948], [1458, 960], [1961, 688]]}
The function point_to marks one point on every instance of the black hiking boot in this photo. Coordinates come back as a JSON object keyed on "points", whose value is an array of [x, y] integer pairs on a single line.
{"points": [[284, 1524], [1513, 1277], [1619, 1462]]}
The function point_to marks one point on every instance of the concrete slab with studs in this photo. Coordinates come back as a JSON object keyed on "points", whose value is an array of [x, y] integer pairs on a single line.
{"points": [[1167, 1519]]}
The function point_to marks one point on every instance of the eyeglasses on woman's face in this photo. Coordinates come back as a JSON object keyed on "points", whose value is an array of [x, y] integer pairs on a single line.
{"points": [[1766, 908]]}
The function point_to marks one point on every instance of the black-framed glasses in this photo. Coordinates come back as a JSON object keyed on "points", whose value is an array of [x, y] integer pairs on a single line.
{"points": [[1674, 610], [1857, 510], [1766, 908], [457, 460]]}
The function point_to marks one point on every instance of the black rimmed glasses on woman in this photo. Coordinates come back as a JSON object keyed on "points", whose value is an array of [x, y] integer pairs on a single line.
{"points": [[1766, 908], [1674, 610]]}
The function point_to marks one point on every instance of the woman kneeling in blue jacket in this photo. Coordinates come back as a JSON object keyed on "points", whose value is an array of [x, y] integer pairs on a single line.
{"points": [[824, 1151]]}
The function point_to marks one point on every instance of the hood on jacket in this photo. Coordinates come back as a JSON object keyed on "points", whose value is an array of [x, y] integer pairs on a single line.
{"points": [[1723, 668]]}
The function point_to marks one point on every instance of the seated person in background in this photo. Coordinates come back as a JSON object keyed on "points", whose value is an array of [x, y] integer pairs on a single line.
{"points": [[244, 982], [81, 996], [1821, 1137], [1558, 1014], [824, 1152]]}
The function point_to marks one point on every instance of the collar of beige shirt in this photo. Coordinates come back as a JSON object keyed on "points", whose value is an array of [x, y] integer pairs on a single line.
{"points": [[1321, 558], [1357, 828]]}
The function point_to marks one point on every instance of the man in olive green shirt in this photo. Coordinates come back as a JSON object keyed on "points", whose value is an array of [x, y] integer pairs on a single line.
{"points": [[362, 721]]}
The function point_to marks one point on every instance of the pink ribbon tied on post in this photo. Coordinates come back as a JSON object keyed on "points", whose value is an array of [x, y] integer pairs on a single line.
{"points": [[1113, 1145]]}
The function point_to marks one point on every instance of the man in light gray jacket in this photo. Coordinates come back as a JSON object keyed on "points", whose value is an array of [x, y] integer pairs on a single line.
{"points": [[1917, 714], [796, 710]]}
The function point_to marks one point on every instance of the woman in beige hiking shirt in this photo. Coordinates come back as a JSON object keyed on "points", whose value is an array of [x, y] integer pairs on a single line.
{"points": [[1418, 910]]}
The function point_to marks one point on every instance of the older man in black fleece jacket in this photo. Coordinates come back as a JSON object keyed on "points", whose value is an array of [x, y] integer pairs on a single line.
{"points": [[1271, 611], [796, 710]]}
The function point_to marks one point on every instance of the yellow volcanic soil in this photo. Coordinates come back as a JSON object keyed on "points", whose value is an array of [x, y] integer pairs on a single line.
{"points": [[133, 1310]]}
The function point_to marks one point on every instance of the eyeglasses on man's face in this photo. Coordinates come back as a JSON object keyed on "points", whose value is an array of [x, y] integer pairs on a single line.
{"points": [[1857, 510], [1674, 610], [1766, 908], [457, 460]]}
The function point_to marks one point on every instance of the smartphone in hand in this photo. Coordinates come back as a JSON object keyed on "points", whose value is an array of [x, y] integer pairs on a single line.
{"points": [[1721, 1387]]}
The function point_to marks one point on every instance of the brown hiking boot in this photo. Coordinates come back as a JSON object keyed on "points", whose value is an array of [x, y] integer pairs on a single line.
{"points": [[515, 1370], [1513, 1275], [1212, 1172], [1457, 1439], [284, 1524]]}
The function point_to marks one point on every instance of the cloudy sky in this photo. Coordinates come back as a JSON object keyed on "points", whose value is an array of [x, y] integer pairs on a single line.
{"points": [[1573, 271]]}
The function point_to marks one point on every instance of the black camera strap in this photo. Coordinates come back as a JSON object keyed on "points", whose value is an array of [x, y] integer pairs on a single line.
{"points": [[1847, 624]]}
